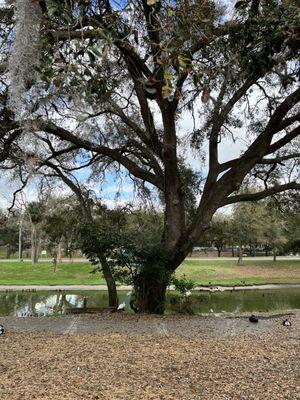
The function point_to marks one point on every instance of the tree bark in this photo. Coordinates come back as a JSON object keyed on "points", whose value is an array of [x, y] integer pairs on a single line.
{"points": [[240, 256], [274, 255], [173, 193], [34, 245], [8, 251], [150, 291], [20, 250], [59, 252], [110, 281]]}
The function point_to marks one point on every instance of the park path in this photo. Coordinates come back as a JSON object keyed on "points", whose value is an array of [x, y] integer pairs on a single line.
{"points": [[136, 325], [78, 260], [6, 288]]}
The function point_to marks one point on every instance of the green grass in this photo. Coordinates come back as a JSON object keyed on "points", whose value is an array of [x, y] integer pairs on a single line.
{"points": [[77, 273], [202, 272], [253, 272]]}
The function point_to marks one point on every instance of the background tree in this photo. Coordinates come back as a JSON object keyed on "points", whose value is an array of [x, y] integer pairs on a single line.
{"points": [[59, 224], [9, 233], [248, 226], [36, 213], [273, 229], [219, 234], [288, 208]]}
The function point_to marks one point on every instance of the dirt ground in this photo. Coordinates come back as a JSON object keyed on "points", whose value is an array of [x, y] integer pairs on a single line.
{"points": [[140, 357]]}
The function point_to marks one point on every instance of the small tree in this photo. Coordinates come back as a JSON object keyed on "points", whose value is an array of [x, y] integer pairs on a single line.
{"points": [[247, 226], [219, 232], [274, 228], [36, 212], [9, 233], [59, 219]]}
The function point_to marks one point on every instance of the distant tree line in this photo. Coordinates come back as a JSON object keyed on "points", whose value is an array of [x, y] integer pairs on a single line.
{"points": [[259, 226], [58, 226]]}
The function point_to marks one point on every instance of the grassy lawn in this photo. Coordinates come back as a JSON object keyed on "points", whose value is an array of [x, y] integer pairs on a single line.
{"points": [[253, 272], [202, 272], [16, 273]]}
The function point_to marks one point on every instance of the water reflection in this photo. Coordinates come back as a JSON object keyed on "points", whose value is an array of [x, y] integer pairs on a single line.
{"points": [[23, 304]]}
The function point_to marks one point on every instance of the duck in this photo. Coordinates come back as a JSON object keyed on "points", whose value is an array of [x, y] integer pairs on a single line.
{"points": [[121, 307], [286, 322], [253, 319], [2, 330]]}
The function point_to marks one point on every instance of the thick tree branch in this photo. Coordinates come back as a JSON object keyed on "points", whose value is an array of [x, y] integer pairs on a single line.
{"points": [[116, 155], [279, 159], [281, 111], [288, 121], [261, 195], [284, 140]]}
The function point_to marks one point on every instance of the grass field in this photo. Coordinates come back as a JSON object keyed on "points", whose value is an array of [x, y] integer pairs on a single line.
{"points": [[202, 272]]}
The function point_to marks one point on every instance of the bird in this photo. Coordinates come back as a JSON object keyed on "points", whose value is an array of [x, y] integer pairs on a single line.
{"points": [[253, 319], [2, 330], [286, 322], [121, 307]]}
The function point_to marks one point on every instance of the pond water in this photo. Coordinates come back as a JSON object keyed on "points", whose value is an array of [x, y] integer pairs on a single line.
{"points": [[40, 303]]}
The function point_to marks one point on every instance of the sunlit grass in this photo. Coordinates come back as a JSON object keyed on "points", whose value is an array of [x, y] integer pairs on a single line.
{"points": [[202, 272]]}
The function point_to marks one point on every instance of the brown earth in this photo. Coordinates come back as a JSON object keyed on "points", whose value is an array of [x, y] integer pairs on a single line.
{"points": [[142, 357]]}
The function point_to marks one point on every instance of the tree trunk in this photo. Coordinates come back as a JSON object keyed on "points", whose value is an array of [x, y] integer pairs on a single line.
{"points": [[173, 194], [54, 262], [59, 252], [232, 251], [20, 251], [240, 256], [34, 245], [110, 281], [150, 291], [274, 254], [8, 251], [219, 252]]}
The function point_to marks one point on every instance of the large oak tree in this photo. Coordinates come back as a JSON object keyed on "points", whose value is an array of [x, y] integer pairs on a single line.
{"points": [[112, 82]]}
